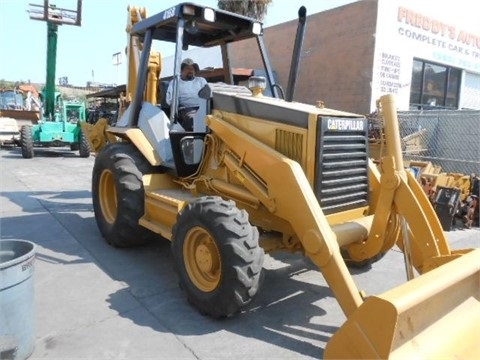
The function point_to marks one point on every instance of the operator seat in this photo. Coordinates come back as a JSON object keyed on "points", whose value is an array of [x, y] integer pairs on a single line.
{"points": [[180, 157]]}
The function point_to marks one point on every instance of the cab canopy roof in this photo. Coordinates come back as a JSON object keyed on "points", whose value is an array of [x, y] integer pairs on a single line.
{"points": [[204, 26]]}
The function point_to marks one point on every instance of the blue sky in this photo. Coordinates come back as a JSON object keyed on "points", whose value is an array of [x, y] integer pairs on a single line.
{"points": [[88, 49]]}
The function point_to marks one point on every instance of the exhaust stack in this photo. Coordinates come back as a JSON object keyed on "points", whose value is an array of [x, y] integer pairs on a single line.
{"points": [[297, 51]]}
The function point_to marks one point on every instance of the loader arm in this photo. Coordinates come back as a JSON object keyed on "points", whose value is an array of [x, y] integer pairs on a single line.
{"points": [[401, 195], [267, 173], [435, 315], [404, 322]]}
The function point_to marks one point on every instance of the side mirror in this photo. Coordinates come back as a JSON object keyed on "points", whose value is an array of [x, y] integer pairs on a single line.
{"points": [[192, 149]]}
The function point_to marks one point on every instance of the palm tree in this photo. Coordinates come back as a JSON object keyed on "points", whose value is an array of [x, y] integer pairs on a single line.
{"points": [[256, 9]]}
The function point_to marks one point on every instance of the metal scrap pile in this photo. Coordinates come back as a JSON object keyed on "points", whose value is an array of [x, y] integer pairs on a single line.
{"points": [[454, 196]]}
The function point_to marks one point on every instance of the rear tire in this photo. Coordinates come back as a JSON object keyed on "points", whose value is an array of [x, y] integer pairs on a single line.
{"points": [[217, 256], [83, 145], [26, 141], [118, 195]]}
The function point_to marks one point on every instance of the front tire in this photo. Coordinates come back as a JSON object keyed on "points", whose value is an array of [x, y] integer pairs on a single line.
{"points": [[217, 256], [83, 145], [26, 141], [118, 195]]}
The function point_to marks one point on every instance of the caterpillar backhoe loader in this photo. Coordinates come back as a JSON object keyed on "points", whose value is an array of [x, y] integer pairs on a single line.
{"points": [[261, 174]]}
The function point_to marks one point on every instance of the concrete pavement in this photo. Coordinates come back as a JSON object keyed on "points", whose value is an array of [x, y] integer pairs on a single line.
{"points": [[93, 301]]}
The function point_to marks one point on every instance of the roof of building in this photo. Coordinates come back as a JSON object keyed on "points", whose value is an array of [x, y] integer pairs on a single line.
{"points": [[109, 93]]}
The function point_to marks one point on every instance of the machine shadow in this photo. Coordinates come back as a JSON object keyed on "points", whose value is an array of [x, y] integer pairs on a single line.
{"points": [[32, 202], [284, 313], [48, 218]]}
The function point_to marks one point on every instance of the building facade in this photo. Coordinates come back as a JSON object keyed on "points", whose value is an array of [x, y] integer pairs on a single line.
{"points": [[429, 57]]}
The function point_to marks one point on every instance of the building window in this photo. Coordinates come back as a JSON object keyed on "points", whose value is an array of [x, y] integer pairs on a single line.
{"points": [[470, 98], [434, 86]]}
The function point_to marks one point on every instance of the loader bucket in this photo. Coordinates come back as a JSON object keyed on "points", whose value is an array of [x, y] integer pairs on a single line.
{"points": [[434, 316]]}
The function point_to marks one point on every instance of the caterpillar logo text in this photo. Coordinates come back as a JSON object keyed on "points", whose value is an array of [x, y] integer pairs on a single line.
{"points": [[345, 124]]}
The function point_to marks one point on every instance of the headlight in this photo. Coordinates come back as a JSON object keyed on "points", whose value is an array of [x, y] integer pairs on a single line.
{"points": [[257, 28], [188, 10], [209, 14], [257, 84]]}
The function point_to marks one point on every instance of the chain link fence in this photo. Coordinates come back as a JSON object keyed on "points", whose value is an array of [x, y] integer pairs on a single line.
{"points": [[449, 139]]}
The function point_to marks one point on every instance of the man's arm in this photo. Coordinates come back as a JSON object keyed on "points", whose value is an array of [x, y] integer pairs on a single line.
{"points": [[168, 95]]}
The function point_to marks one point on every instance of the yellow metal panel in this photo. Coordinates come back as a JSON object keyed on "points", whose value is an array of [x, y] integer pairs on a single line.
{"points": [[164, 199], [141, 142], [272, 134], [306, 108]]}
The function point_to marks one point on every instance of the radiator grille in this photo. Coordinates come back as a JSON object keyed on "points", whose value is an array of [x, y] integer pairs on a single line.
{"points": [[289, 144], [342, 171]]}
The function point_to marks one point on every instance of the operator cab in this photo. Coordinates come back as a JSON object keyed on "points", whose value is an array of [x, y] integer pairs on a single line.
{"points": [[188, 24]]}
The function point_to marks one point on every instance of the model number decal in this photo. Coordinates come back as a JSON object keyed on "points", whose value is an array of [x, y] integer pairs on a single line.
{"points": [[169, 13], [345, 124]]}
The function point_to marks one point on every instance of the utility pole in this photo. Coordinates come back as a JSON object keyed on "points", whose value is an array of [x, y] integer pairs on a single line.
{"points": [[117, 60]]}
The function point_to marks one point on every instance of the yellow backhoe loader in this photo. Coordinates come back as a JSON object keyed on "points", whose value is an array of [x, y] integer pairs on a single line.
{"points": [[261, 174]]}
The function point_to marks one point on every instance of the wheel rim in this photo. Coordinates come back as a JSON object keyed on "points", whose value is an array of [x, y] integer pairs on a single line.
{"points": [[202, 259], [108, 196]]}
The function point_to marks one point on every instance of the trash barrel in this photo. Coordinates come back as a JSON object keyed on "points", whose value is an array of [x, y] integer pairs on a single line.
{"points": [[17, 335]]}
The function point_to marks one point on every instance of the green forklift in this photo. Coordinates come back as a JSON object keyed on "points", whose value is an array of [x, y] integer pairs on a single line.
{"points": [[59, 125]]}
